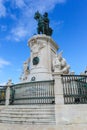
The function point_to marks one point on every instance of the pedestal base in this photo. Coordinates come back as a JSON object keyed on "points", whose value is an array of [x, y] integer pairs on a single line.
{"points": [[40, 77]]}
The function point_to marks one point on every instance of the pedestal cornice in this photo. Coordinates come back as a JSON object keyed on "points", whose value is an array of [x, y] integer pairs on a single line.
{"points": [[42, 37]]}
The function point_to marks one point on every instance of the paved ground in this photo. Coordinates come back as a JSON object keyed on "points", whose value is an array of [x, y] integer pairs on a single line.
{"points": [[37, 127]]}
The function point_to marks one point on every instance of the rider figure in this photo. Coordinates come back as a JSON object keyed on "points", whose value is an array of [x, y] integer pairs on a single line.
{"points": [[43, 23], [46, 21]]}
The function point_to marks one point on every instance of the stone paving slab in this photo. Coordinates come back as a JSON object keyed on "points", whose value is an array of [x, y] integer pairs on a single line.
{"points": [[43, 127]]}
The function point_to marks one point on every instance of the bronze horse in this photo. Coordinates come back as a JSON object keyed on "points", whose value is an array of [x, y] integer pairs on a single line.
{"points": [[43, 24]]}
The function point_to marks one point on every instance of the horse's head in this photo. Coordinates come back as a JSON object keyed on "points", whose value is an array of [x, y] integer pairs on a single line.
{"points": [[37, 15]]}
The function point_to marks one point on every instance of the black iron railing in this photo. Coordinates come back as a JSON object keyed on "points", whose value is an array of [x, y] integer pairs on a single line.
{"points": [[41, 92], [74, 89], [2, 95]]}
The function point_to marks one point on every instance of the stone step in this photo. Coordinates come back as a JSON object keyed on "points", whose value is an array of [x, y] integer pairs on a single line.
{"points": [[28, 109], [34, 114], [27, 119], [27, 112], [28, 123], [31, 107], [24, 112], [28, 115]]}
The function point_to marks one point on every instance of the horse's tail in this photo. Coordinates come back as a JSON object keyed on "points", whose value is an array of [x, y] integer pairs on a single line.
{"points": [[50, 31]]}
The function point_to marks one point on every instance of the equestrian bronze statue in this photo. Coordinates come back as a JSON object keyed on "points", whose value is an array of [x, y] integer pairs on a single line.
{"points": [[43, 24]]}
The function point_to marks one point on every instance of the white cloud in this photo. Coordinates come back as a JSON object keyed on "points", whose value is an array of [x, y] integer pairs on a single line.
{"points": [[57, 24], [60, 22], [20, 3], [19, 32], [3, 28], [25, 24], [3, 63], [18, 70], [2, 84], [12, 16], [46, 5], [2, 9], [41, 5]]}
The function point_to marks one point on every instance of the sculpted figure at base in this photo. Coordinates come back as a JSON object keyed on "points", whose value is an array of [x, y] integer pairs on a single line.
{"points": [[85, 72], [25, 70], [60, 65], [9, 82]]}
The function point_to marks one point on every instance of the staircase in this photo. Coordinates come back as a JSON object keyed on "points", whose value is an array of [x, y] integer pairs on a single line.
{"points": [[28, 114]]}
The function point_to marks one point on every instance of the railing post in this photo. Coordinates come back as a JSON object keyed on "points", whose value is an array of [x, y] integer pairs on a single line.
{"points": [[58, 89], [9, 83]]}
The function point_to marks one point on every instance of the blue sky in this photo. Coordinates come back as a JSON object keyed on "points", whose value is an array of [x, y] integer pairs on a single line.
{"points": [[68, 18]]}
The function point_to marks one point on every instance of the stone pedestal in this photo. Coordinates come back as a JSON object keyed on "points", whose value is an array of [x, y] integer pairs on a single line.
{"points": [[43, 50]]}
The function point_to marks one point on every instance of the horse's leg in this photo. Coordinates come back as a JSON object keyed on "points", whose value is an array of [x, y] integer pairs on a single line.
{"points": [[38, 30], [50, 31], [43, 30]]}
